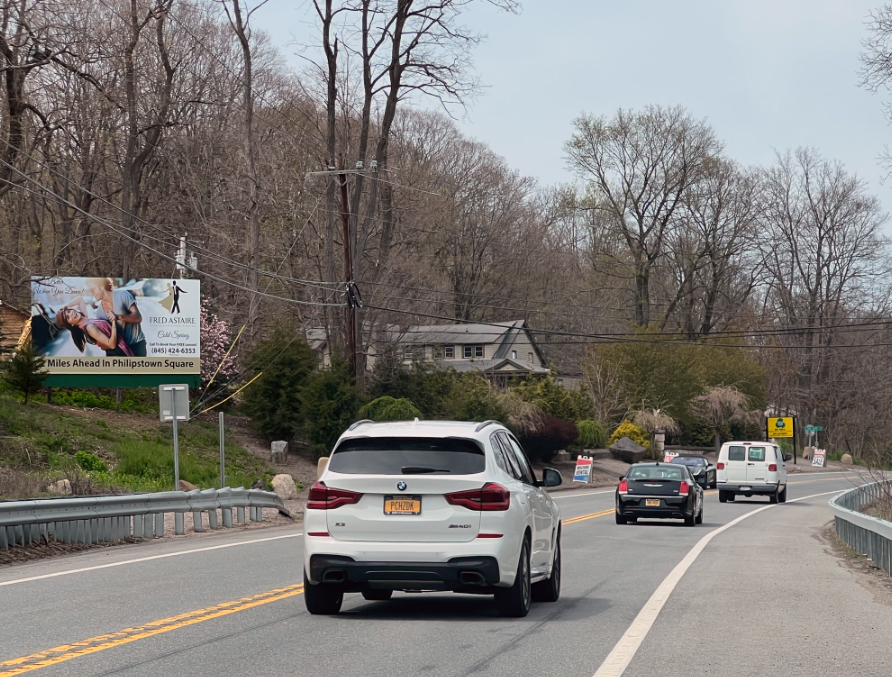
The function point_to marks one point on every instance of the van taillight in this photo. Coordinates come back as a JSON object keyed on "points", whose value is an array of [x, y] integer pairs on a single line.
{"points": [[683, 488], [772, 467], [323, 498], [719, 466], [489, 497], [623, 487]]}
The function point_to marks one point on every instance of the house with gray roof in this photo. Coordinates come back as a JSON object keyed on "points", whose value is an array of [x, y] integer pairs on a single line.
{"points": [[499, 349]]}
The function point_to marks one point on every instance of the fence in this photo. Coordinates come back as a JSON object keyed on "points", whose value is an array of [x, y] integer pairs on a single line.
{"points": [[868, 535], [104, 519]]}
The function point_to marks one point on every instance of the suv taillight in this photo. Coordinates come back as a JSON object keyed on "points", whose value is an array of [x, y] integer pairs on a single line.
{"points": [[623, 487], [719, 466], [772, 467], [490, 496], [323, 498], [683, 488]]}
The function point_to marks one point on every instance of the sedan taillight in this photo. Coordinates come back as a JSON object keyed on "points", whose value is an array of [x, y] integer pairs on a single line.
{"points": [[623, 487], [323, 498], [489, 497], [683, 488]]}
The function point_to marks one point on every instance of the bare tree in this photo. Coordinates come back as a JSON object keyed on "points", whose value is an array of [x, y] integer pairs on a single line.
{"points": [[721, 406], [640, 165]]}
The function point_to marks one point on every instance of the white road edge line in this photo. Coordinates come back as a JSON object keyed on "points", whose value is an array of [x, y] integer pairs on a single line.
{"points": [[618, 660], [146, 559]]}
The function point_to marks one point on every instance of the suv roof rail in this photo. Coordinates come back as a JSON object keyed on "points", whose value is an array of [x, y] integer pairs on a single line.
{"points": [[484, 424], [359, 423]]}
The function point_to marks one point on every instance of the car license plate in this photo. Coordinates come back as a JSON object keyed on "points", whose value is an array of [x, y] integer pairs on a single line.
{"points": [[402, 505], [746, 488], [652, 502]]}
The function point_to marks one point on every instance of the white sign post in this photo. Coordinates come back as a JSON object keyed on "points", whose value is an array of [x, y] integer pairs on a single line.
{"points": [[173, 404], [583, 472]]}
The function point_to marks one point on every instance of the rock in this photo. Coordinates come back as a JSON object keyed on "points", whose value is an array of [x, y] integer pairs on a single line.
{"points": [[187, 486], [260, 484], [279, 452], [847, 459], [283, 485], [61, 487], [563, 456], [626, 450]]}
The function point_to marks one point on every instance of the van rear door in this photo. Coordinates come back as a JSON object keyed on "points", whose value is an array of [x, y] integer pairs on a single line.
{"points": [[757, 463], [735, 466]]}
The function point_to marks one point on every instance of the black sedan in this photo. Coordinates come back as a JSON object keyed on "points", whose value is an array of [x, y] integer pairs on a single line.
{"points": [[661, 490], [702, 470]]}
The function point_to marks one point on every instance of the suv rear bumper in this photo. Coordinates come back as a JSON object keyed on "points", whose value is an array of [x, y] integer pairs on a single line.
{"points": [[465, 574], [752, 488]]}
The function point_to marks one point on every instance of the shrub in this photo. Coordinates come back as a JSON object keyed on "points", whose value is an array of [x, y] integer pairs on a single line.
{"points": [[550, 436], [591, 434], [85, 399], [273, 400], [387, 408], [329, 404], [553, 399], [633, 432], [90, 462]]}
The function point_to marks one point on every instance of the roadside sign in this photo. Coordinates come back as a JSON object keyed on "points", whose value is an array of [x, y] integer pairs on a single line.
{"points": [[583, 472], [667, 458], [780, 427], [173, 397], [818, 457], [813, 428]]}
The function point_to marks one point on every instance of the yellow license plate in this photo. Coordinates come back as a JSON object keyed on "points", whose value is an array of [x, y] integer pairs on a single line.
{"points": [[404, 505], [652, 502]]}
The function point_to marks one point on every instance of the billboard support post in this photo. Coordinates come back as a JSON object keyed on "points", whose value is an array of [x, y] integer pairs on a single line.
{"points": [[176, 444], [222, 453]]}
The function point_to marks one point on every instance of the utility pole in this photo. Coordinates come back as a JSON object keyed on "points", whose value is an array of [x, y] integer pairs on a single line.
{"points": [[341, 172]]}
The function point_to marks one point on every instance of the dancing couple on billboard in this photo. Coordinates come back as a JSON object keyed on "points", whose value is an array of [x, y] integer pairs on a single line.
{"points": [[114, 325]]}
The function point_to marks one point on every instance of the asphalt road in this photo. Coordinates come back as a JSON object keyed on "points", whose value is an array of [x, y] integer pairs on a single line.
{"points": [[762, 598]]}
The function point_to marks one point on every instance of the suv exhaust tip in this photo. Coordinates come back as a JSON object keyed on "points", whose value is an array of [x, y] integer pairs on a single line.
{"points": [[334, 576], [471, 578]]}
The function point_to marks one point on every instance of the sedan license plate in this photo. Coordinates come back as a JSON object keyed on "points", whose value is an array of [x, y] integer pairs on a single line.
{"points": [[402, 505], [652, 502]]}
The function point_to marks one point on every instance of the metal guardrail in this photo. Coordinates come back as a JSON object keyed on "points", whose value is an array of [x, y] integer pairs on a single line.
{"points": [[868, 535], [104, 519]]}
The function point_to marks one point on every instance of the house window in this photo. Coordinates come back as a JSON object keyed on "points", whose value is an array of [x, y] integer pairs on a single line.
{"points": [[530, 357], [560, 381], [473, 351], [513, 354], [448, 352]]}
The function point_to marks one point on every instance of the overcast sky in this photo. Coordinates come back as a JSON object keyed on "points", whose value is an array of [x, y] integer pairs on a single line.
{"points": [[766, 74]]}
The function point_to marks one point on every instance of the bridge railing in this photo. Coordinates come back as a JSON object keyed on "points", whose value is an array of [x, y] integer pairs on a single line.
{"points": [[105, 519], [870, 536]]}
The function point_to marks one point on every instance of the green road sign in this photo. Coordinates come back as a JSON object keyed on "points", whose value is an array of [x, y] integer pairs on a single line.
{"points": [[813, 428]]}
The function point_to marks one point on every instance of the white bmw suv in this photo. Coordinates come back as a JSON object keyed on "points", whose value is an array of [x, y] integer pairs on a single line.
{"points": [[431, 506]]}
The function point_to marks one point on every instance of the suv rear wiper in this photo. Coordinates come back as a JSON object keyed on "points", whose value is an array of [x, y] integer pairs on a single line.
{"points": [[419, 470]]}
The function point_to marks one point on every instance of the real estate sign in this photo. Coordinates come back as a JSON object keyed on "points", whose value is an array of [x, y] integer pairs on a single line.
{"points": [[583, 471], [106, 326], [780, 427]]}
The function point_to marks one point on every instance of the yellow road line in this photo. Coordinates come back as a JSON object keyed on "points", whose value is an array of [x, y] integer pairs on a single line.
{"points": [[581, 518], [66, 652]]}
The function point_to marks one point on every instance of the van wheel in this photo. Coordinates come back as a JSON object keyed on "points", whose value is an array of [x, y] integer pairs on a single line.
{"points": [[549, 590], [731, 497], [723, 496], [515, 601], [773, 497], [783, 495], [374, 595], [323, 599]]}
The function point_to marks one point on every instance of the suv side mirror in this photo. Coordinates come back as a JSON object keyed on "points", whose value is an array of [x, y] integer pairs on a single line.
{"points": [[550, 478], [788, 457]]}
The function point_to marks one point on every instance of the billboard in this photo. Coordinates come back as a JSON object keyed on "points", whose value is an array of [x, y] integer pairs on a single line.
{"points": [[104, 325], [781, 426]]}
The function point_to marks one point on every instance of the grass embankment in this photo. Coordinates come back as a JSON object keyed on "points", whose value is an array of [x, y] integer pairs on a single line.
{"points": [[101, 451]]}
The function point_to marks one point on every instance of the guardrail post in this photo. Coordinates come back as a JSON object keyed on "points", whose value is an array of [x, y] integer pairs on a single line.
{"points": [[240, 515], [159, 525], [212, 519], [137, 526], [4, 545], [196, 521], [227, 517], [179, 527]]}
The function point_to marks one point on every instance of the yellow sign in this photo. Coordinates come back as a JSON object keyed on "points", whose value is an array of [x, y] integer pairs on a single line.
{"points": [[780, 427]]}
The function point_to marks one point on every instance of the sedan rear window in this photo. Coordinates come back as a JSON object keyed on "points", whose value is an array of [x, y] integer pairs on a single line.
{"points": [[407, 456], [656, 473], [689, 460]]}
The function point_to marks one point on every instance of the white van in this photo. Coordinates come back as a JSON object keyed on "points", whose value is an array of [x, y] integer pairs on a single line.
{"points": [[751, 468]]}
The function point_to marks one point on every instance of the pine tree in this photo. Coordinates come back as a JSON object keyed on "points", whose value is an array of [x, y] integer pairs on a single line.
{"points": [[24, 371]]}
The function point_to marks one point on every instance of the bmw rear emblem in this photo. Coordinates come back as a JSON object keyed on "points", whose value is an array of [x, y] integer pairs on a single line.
{"points": [[401, 486]]}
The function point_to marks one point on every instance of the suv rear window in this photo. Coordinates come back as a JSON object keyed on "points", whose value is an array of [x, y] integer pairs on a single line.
{"points": [[407, 456], [736, 453]]}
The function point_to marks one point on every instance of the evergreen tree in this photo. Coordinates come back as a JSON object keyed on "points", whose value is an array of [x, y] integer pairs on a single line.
{"points": [[25, 370]]}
